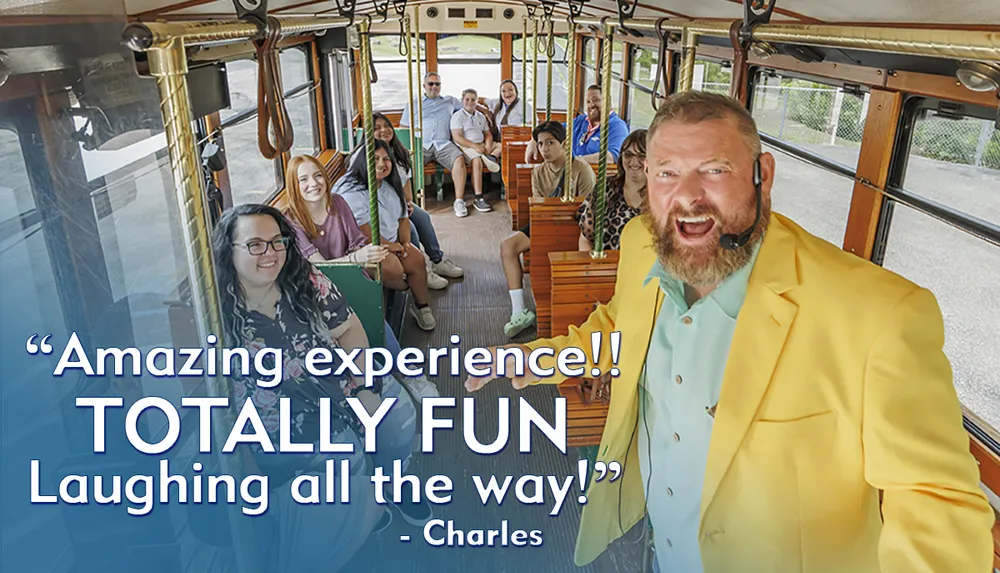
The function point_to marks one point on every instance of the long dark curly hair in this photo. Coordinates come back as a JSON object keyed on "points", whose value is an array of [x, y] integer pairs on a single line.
{"points": [[293, 279]]}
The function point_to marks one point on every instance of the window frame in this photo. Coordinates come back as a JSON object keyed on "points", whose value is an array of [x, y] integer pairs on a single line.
{"points": [[250, 113], [912, 107]]}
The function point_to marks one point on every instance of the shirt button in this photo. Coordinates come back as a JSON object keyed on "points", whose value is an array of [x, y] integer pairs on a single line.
{"points": [[668, 542], [678, 379], [677, 437], [686, 320], [670, 492]]}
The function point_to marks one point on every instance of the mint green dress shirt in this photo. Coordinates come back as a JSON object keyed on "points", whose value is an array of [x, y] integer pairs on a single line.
{"points": [[678, 389]]}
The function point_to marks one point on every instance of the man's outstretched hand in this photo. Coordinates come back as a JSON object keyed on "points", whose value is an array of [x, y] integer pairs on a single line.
{"points": [[511, 366]]}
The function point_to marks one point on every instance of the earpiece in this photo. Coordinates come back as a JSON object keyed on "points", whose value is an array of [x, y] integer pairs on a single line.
{"points": [[732, 241]]}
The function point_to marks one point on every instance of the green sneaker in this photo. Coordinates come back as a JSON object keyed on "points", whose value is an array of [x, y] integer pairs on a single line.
{"points": [[519, 322]]}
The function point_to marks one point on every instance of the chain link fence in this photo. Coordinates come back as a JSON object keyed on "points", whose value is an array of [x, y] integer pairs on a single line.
{"points": [[967, 141]]}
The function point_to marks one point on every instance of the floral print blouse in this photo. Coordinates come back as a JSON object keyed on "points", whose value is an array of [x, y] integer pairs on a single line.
{"points": [[617, 214], [296, 338]]}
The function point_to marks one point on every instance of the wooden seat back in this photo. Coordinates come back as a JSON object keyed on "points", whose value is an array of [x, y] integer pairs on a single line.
{"points": [[520, 209], [553, 228], [578, 284]]}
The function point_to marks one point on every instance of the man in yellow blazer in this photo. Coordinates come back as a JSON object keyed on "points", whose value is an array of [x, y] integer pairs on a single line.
{"points": [[770, 383]]}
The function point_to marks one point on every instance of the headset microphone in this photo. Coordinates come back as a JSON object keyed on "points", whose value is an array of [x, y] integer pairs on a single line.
{"points": [[732, 241]]}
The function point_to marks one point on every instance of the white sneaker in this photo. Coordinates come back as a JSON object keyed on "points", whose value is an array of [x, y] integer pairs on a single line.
{"points": [[424, 317], [460, 209], [446, 268], [436, 281], [490, 162], [420, 387]]}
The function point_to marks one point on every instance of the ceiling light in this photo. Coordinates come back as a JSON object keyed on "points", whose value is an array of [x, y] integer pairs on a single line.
{"points": [[979, 76]]}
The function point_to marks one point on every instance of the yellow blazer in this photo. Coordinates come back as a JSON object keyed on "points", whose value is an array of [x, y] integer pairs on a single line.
{"points": [[836, 387]]}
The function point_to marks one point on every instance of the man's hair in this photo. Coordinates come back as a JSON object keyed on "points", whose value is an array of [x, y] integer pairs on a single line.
{"points": [[553, 128], [429, 74], [469, 91], [693, 107], [594, 87]]}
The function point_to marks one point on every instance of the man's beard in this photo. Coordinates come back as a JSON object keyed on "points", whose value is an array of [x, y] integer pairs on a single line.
{"points": [[709, 263]]}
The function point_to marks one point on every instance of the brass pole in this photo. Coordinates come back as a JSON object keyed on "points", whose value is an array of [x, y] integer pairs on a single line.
{"points": [[420, 111], [689, 49], [142, 36], [534, 77], [571, 97], [601, 190], [168, 64], [549, 52], [366, 121], [409, 82], [524, 73], [951, 44]]}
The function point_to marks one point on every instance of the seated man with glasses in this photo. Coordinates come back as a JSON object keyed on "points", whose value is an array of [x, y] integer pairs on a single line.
{"points": [[546, 181], [587, 132], [438, 146]]}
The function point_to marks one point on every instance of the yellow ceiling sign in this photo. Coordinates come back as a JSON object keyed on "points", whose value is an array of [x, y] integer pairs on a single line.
{"points": [[471, 23]]}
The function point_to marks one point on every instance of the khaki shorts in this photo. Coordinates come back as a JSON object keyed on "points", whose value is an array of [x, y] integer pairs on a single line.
{"points": [[444, 156]]}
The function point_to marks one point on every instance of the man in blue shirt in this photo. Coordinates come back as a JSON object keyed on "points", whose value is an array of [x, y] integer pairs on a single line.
{"points": [[587, 132], [438, 147]]}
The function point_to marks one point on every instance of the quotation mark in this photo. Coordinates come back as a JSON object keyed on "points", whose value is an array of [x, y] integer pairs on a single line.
{"points": [[603, 468], [44, 347]]}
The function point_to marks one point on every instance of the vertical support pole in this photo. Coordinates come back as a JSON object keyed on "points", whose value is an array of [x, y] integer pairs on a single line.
{"points": [[689, 48], [877, 144], [417, 188], [571, 97], [534, 77], [168, 64], [600, 195], [550, 48], [366, 121], [524, 73], [420, 109]]}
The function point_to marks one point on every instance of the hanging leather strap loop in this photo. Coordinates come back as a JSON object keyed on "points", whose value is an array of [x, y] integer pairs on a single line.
{"points": [[738, 83], [271, 111], [662, 73]]}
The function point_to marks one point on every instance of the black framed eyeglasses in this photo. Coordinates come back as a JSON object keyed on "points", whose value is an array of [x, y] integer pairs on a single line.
{"points": [[433, 84], [258, 248]]}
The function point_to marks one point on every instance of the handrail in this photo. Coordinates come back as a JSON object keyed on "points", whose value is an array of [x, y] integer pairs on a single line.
{"points": [[979, 228], [143, 36], [952, 44]]}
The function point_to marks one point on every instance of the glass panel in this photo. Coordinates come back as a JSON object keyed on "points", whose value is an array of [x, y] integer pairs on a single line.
{"points": [[815, 116], [957, 162], [241, 75], [302, 107], [711, 77], [616, 94], [589, 47], [644, 62], [560, 79], [294, 68], [559, 56], [252, 178], [616, 56], [964, 274], [640, 109], [391, 90], [386, 49], [484, 78], [302, 112], [91, 243], [465, 46], [819, 201]]}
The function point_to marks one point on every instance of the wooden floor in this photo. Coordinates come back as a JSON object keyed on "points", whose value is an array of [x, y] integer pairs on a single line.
{"points": [[476, 308]]}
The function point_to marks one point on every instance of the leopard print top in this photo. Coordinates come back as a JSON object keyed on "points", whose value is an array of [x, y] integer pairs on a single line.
{"points": [[617, 214]]}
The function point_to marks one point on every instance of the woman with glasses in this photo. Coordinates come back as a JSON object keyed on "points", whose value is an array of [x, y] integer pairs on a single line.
{"points": [[407, 267], [325, 231], [624, 198], [274, 298]]}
